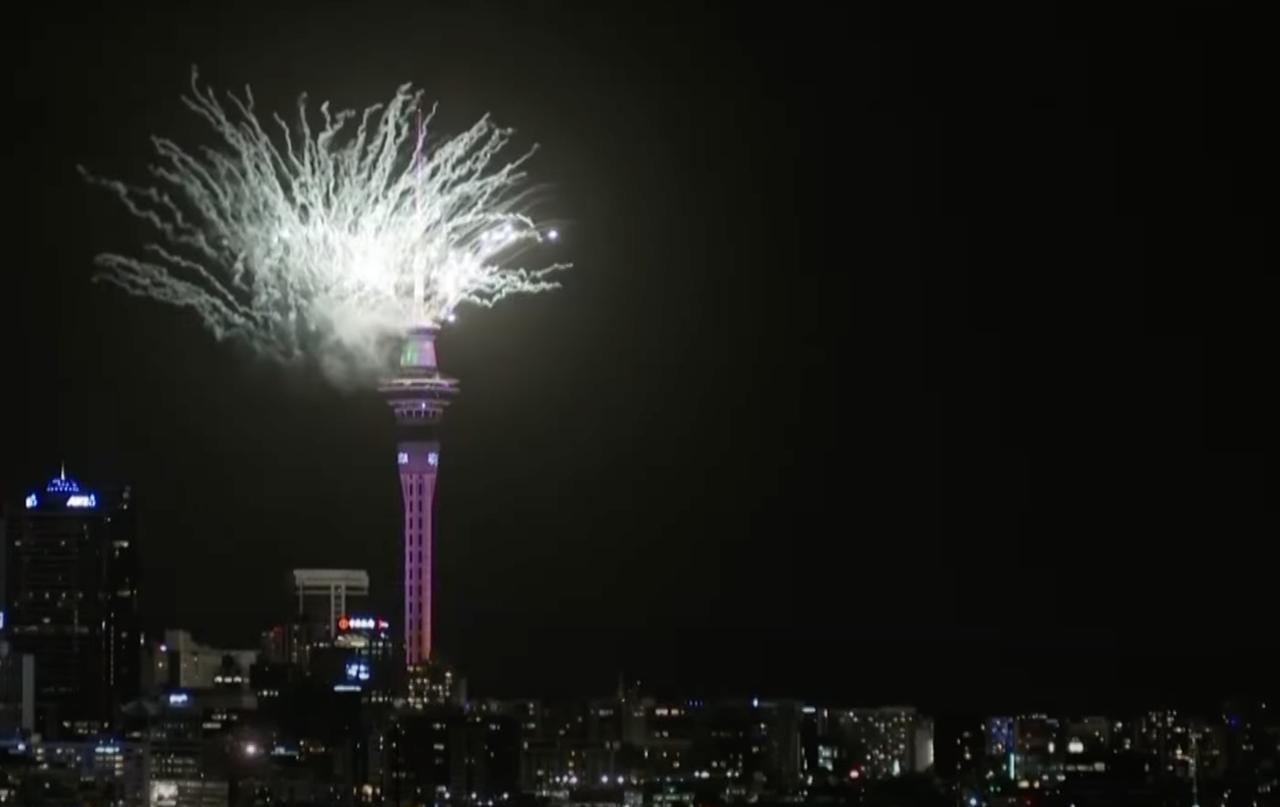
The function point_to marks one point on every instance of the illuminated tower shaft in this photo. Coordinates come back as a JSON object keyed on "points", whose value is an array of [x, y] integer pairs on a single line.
{"points": [[418, 395]]}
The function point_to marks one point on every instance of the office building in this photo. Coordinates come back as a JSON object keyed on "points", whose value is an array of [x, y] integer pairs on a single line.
{"points": [[71, 592]]}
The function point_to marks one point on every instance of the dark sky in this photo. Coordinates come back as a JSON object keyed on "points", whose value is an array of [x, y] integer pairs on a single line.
{"points": [[921, 360]]}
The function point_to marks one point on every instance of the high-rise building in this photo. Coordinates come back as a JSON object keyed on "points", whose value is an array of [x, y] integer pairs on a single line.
{"points": [[322, 597], [361, 659], [418, 395], [71, 590], [187, 747], [323, 594]]}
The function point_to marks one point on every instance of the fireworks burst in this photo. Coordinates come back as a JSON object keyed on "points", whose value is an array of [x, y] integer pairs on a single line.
{"points": [[329, 240]]}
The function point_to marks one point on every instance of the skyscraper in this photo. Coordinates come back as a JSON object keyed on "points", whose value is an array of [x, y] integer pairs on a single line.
{"points": [[418, 395], [71, 590]]}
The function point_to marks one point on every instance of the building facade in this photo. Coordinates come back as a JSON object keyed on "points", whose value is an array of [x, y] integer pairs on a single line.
{"points": [[181, 662], [71, 591]]}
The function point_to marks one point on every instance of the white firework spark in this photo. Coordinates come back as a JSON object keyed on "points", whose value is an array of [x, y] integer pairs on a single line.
{"points": [[329, 241]]}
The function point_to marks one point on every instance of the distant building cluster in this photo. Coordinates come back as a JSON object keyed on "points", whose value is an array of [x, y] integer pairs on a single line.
{"points": [[1153, 757], [330, 709]]}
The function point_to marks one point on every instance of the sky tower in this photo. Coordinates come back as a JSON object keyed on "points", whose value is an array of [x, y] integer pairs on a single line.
{"points": [[342, 236], [418, 395]]}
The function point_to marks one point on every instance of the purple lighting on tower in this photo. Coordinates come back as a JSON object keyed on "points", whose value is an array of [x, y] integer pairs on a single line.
{"points": [[418, 395]]}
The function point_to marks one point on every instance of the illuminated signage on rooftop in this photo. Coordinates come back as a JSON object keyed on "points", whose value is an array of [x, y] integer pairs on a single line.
{"points": [[362, 623], [63, 484], [60, 484]]}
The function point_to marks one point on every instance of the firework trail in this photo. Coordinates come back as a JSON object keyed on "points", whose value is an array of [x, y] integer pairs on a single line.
{"points": [[329, 241]]}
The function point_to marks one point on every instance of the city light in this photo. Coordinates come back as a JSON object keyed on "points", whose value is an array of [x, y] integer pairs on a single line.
{"points": [[729, 488], [362, 623]]}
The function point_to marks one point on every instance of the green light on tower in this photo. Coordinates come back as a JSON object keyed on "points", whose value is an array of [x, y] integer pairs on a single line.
{"points": [[409, 354]]}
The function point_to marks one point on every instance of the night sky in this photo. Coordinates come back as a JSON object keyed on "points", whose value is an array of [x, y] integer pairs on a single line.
{"points": [[918, 360]]}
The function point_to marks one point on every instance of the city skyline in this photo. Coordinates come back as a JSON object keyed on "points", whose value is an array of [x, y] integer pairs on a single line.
{"points": [[982, 384]]}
